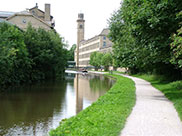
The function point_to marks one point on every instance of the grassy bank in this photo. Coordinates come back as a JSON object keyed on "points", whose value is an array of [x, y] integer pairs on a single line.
{"points": [[106, 116], [172, 90]]}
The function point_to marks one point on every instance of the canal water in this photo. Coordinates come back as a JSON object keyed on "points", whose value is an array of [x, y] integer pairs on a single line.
{"points": [[33, 110]]}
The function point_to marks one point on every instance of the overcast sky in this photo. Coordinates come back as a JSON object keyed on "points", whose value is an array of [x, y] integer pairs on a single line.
{"points": [[65, 13]]}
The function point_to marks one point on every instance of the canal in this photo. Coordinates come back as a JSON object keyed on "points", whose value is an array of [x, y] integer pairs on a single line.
{"points": [[32, 110]]}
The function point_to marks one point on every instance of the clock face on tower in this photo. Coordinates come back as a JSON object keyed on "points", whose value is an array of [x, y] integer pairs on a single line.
{"points": [[81, 26], [24, 21]]}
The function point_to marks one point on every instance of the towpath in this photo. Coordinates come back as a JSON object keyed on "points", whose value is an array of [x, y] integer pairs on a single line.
{"points": [[153, 114]]}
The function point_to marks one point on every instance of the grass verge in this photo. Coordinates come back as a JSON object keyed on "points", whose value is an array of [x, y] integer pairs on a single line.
{"points": [[106, 116], [172, 90]]}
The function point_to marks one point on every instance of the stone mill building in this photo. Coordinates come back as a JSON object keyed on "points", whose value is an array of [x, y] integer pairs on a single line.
{"points": [[34, 16], [98, 43]]}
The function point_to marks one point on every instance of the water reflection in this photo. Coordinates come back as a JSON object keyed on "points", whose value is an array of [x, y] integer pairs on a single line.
{"points": [[35, 109], [29, 109], [90, 88]]}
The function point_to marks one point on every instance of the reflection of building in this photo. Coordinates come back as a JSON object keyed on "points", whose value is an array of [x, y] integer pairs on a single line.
{"points": [[85, 91], [36, 17], [69, 76], [99, 43]]}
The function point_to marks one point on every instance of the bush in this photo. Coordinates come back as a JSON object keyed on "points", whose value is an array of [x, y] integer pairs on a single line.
{"points": [[14, 60], [30, 56], [141, 32], [47, 52], [177, 85]]}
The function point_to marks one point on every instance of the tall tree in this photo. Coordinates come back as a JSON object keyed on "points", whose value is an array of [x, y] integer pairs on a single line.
{"points": [[107, 61], [71, 52], [141, 31], [14, 60], [96, 59]]}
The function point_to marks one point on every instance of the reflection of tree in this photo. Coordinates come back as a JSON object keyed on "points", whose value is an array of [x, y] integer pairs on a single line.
{"points": [[100, 83], [31, 104]]}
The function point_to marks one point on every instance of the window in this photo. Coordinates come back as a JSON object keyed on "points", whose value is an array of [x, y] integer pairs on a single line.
{"points": [[104, 38], [104, 44], [33, 12]]}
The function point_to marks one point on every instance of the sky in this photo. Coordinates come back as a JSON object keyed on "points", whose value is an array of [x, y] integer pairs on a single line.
{"points": [[65, 13]]}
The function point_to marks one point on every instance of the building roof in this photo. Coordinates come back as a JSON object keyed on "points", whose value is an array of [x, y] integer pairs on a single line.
{"points": [[105, 31], [36, 7], [5, 21], [2, 20], [6, 14], [26, 13]]}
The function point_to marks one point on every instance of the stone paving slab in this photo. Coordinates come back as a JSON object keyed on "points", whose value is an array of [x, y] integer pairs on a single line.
{"points": [[153, 114]]}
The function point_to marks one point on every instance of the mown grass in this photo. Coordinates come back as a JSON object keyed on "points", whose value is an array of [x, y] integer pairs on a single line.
{"points": [[106, 116], [172, 90]]}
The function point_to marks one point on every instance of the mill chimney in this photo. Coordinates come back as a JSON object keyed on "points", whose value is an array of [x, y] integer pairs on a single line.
{"points": [[47, 12], [36, 5]]}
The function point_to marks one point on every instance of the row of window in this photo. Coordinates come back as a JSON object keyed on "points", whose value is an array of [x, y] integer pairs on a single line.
{"points": [[104, 44], [91, 47], [84, 56], [91, 40]]}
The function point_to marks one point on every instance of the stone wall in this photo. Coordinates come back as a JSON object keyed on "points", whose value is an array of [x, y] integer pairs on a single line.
{"points": [[36, 12], [22, 22]]}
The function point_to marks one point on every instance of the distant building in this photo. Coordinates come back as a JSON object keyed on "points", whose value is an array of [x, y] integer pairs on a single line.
{"points": [[71, 64], [99, 43], [43, 15], [34, 16]]}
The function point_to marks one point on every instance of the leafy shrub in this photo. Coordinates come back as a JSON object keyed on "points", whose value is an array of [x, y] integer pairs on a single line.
{"points": [[31, 55], [177, 85]]}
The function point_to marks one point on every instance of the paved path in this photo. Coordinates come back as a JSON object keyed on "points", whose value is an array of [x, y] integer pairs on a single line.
{"points": [[153, 114]]}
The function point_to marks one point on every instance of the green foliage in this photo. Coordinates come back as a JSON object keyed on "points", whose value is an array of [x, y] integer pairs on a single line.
{"points": [[107, 61], [141, 32], [172, 90], [47, 53], [176, 47], [96, 85], [96, 59], [71, 53], [29, 56], [14, 59], [105, 117], [93, 58]]}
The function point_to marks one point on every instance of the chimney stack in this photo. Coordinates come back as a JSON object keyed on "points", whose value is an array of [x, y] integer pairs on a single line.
{"points": [[47, 12], [36, 5]]}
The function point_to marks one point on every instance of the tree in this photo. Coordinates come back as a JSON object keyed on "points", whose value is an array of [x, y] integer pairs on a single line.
{"points": [[14, 59], [141, 32], [107, 61], [31, 55], [176, 47], [93, 59], [96, 59], [71, 53], [46, 49]]}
